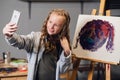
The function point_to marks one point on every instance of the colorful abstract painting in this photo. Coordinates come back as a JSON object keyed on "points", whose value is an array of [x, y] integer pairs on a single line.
{"points": [[96, 37], [94, 34]]}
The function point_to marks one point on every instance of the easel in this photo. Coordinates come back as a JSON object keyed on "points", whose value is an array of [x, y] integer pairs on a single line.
{"points": [[76, 60]]}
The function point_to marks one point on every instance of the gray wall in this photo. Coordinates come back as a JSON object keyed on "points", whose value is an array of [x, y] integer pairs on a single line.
{"points": [[39, 11]]}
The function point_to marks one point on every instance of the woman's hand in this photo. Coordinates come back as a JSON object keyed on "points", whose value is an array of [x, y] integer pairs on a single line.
{"points": [[9, 29], [65, 45]]}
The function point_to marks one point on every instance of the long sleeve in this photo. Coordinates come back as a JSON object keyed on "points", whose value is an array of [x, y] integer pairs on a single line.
{"points": [[28, 42], [63, 65]]}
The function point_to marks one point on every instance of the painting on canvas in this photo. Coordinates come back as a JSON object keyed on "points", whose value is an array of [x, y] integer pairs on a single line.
{"points": [[97, 38]]}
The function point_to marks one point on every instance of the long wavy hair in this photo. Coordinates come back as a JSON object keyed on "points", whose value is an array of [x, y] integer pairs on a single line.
{"points": [[65, 30]]}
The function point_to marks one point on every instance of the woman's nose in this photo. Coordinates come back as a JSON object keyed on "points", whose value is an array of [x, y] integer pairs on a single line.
{"points": [[52, 26]]}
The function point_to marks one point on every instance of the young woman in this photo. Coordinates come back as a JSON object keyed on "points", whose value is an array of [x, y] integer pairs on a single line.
{"points": [[49, 51]]}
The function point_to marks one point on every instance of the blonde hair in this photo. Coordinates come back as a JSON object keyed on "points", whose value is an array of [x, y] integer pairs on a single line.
{"points": [[64, 31]]}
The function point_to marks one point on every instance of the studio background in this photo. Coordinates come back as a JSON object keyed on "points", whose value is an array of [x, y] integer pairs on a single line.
{"points": [[33, 20]]}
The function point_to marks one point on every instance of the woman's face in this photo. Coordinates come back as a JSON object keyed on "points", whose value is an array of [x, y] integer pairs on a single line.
{"points": [[55, 24]]}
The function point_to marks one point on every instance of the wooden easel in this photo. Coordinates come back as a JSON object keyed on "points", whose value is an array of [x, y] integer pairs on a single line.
{"points": [[76, 60]]}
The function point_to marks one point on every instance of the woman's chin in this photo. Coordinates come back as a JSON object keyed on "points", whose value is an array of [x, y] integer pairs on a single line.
{"points": [[51, 34]]}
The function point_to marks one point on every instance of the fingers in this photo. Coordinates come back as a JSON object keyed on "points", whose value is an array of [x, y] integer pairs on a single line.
{"points": [[9, 29], [65, 45]]}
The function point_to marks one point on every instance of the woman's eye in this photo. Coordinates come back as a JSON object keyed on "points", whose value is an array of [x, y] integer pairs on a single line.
{"points": [[50, 21], [57, 25]]}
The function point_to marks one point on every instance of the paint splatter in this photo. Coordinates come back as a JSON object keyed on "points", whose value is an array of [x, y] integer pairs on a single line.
{"points": [[94, 34]]}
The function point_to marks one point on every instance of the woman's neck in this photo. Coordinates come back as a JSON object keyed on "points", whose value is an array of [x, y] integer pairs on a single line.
{"points": [[53, 38]]}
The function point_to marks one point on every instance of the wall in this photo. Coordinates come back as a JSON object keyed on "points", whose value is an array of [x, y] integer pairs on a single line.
{"points": [[39, 12]]}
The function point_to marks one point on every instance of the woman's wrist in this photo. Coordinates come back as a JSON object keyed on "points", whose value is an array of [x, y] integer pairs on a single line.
{"points": [[8, 36], [67, 53]]}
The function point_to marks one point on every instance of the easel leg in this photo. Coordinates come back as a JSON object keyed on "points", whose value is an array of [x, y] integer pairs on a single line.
{"points": [[75, 69], [107, 70], [65, 76], [91, 72]]}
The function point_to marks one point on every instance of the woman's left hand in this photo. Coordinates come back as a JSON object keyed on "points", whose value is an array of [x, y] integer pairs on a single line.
{"points": [[65, 45]]}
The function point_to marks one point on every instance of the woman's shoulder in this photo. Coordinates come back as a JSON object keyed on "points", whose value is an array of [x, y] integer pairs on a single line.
{"points": [[36, 34]]}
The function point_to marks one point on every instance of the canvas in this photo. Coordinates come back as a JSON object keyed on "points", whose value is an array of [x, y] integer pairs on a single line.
{"points": [[97, 38]]}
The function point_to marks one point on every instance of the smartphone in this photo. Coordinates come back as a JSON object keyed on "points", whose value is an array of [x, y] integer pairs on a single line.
{"points": [[15, 17]]}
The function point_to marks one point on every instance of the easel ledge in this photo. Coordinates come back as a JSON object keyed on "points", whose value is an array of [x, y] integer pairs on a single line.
{"points": [[101, 61]]}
